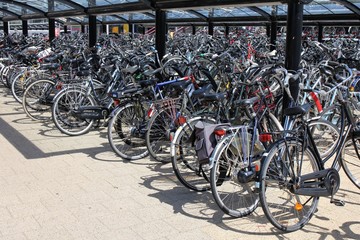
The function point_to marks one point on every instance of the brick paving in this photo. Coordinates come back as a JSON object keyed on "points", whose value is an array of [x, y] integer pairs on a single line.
{"points": [[58, 187]]}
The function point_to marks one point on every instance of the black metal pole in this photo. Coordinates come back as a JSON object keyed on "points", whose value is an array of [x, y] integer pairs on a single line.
{"points": [[320, 33], [160, 36], [211, 28], [103, 28], [227, 30], [92, 30], [268, 30], [25, 31], [193, 29], [82, 28], [6, 28], [273, 35], [51, 29], [65, 29], [293, 46]]}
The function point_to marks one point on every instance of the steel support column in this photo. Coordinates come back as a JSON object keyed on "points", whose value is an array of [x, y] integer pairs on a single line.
{"points": [[103, 28], [51, 29], [273, 35], [82, 28], [193, 29], [160, 36], [293, 46], [92, 31], [65, 29], [25, 27], [211, 28], [268, 30], [320, 33], [227, 30], [6, 28]]}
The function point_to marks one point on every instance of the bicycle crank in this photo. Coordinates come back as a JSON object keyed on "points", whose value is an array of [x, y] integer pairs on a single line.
{"points": [[319, 184]]}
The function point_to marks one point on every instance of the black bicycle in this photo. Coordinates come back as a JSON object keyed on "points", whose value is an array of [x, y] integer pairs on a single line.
{"points": [[293, 176]]}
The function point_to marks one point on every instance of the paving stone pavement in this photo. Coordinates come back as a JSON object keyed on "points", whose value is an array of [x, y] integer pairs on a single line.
{"points": [[57, 187]]}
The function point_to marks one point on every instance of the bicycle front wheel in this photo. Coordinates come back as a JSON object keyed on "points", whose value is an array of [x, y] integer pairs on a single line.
{"points": [[281, 168], [350, 159]]}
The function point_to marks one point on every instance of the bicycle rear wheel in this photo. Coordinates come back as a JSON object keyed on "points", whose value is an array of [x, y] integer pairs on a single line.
{"points": [[186, 166], [37, 100], [233, 197], [126, 132], [350, 159], [281, 166], [64, 111]]}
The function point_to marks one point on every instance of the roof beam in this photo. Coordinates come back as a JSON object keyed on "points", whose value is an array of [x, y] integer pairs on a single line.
{"points": [[121, 18], [10, 12], [352, 7], [71, 4], [118, 8], [203, 17], [191, 4], [261, 12], [23, 5]]}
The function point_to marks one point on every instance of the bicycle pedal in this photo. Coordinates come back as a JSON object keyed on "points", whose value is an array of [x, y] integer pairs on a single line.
{"points": [[338, 202]]}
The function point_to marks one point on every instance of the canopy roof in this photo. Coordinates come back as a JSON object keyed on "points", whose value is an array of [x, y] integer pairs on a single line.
{"points": [[179, 11]]}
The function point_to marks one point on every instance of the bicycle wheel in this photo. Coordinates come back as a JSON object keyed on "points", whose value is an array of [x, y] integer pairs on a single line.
{"points": [[161, 129], [281, 166], [126, 132], [19, 85], [233, 197], [185, 164], [64, 111], [350, 159], [37, 100], [326, 137]]}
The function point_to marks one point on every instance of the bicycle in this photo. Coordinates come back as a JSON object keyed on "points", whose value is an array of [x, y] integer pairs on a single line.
{"points": [[293, 176]]}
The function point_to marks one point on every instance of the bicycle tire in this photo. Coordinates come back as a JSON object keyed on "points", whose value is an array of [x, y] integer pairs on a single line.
{"points": [[232, 197], [126, 133], [277, 201], [350, 160], [184, 160], [65, 103], [161, 128], [38, 98]]}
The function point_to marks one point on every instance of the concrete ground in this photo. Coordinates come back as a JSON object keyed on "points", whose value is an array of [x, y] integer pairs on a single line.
{"points": [[57, 187]]}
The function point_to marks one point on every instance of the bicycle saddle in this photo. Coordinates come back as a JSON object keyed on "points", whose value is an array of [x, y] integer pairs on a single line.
{"points": [[202, 91], [180, 85], [246, 102], [130, 70], [83, 73], [298, 110], [51, 58], [149, 73], [213, 97], [146, 83], [50, 66]]}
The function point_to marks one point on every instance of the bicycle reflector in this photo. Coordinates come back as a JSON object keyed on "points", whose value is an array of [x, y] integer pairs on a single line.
{"points": [[265, 137], [220, 132], [298, 206], [59, 86], [181, 120], [151, 111], [116, 102]]}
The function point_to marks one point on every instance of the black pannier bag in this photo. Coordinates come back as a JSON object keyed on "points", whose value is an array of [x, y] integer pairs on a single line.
{"points": [[204, 140]]}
